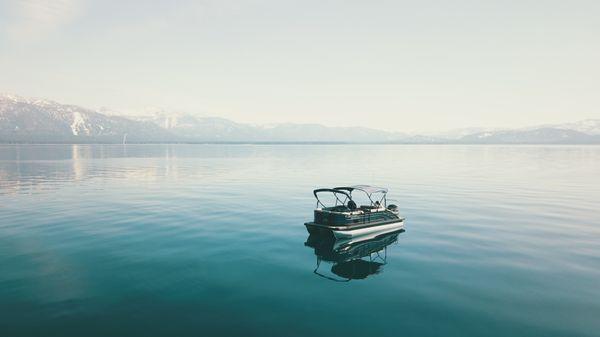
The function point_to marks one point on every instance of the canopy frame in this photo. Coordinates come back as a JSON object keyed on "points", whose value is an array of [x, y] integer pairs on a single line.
{"points": [[335, 193], [369, 191], [346, 191]]}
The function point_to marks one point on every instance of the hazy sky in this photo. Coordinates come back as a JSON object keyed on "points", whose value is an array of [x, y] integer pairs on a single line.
{"points": [[396, 65]]}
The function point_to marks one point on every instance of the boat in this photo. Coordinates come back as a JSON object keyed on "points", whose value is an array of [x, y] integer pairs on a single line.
{"points": [[351, 259], [345, 219]]}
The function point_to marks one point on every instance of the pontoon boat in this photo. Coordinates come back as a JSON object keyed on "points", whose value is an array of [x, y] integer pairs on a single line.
{"points": [[345, 219]]}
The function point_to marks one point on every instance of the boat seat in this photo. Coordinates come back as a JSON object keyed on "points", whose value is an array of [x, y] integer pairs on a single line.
{"points": [[340, 208]]}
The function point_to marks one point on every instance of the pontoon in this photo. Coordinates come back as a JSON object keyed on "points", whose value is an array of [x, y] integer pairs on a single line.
{"points": [[345, 219]]}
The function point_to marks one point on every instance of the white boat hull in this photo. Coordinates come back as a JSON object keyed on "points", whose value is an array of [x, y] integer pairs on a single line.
{"points": [[369, 230]]}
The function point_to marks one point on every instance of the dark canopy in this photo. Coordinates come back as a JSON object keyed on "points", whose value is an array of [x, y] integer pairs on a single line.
{"points": [[365, 188], [347, 192]]}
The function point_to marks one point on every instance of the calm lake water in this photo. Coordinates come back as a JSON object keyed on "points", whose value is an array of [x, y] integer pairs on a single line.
{"points": [[208, 240]]}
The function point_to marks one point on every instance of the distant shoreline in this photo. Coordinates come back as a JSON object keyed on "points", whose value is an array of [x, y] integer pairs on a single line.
{"points": [[281, 143]]}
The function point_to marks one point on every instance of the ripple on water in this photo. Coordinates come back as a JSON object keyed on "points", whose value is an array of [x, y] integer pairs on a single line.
{"points": [[500, 240]]}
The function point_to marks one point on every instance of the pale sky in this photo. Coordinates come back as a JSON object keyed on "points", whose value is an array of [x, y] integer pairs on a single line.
{"points": [[394, 65]]}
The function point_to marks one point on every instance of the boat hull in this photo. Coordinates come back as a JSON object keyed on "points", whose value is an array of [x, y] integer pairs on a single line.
{"points": [[343, 232], [380, 229]]}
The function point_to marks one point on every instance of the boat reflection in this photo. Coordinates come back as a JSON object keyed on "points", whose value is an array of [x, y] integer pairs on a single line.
{"points": [[351, 259]]}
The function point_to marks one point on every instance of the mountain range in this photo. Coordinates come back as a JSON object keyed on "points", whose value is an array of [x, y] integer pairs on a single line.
{"points": [[25, 120]]}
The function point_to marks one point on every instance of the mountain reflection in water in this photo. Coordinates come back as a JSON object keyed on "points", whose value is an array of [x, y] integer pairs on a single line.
{"points": [[354, 259]]}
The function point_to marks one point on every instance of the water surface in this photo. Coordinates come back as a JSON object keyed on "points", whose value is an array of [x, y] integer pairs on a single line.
{"points": [[193, 240]]}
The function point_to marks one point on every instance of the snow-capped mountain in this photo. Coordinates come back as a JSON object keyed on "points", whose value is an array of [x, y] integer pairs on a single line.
{"points": [[581, 132], [219, 129], [542, 135], [190, 127], [37, 120], [587, 126], [455, 134]]}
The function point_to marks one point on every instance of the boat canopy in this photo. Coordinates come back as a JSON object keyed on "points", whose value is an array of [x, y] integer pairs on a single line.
{"points": [[335, 193], [346, 191], [365, 188]]}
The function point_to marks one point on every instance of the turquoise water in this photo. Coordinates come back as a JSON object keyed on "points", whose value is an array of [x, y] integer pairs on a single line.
{"points": [[208, 240]]}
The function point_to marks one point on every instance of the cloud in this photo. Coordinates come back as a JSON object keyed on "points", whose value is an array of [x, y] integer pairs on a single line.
{"points": [[33, 19]]}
